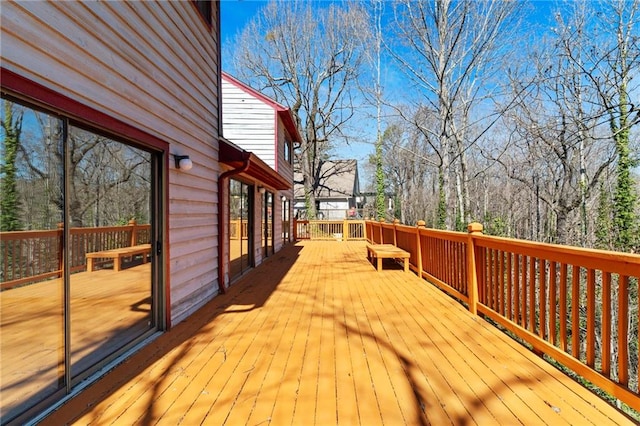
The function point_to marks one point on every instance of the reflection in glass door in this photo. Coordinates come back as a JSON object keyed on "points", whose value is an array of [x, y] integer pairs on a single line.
{"points": [[267, 225], [110, 216], [240, 228], [32, 352], [286, 220], [76, 270]]}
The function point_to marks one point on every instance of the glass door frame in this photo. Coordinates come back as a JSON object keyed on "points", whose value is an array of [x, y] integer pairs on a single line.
{"points": [[158, 219], [268, 246]]}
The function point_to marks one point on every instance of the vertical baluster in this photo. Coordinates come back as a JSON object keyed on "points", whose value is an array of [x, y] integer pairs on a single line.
{"points": [[575, 312], [591, 316], [480, 275], [17, 254], [516, 288], [464, 277], [523, 290], [489, 272], [532, 294], [623, 329], [499, 281], [606, 324], [542, 295], [446, 266], [563, 306], [553, 297], [509, 307]]}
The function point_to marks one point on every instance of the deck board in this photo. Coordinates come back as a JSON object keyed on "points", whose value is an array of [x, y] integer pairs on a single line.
{"points": [[316, 336]]}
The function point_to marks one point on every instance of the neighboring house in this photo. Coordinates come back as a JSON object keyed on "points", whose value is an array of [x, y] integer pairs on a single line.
{"points": [[338, 190], [258, 124], [111, 98]]}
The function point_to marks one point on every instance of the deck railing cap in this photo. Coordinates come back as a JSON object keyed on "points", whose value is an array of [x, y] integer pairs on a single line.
{"points": [[475, 228]]}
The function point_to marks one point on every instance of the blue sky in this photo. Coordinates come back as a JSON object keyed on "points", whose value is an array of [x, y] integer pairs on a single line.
{"points": [[235, 14]]}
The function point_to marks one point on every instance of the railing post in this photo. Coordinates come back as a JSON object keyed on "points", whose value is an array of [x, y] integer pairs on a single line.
{"points": [[420, 225], [345, 229], [134, 234], [295, 229], [381, 231], [395, 231], [472, 276], [364, 230]]}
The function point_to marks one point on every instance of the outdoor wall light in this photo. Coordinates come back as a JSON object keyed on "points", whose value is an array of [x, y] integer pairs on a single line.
{"points": [[261, 189], [183, 162], [283, 198]]}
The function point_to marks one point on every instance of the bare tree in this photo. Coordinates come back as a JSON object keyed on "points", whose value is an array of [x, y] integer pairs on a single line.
{"points": [[410, 172], [451, 50], [565, 119], [307, 58]]}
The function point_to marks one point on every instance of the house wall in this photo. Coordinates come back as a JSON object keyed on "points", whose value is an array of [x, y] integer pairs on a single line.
{"points": [[285, 169], [154, 66], [249, 123]]}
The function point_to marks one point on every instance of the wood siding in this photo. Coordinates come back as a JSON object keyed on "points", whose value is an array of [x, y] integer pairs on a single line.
{"points": [[285, 168], [249, 123], [154, 66]]}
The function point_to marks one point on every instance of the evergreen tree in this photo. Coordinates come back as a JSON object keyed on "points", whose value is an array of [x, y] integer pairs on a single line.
{"points": [[380, 207], [9, 201], [624, 199]]}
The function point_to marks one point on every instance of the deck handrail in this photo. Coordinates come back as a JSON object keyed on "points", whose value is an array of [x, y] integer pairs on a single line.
{"points": [[342, 230], [528, 288], [32, 256]]}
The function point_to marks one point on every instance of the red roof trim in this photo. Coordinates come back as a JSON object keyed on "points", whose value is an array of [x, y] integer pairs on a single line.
{"points": [[33, 92], [283, 112], [234, 156]]}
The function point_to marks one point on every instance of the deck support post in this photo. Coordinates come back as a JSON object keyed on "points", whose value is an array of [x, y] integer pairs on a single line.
{"points": [[472, 275], [420, 225], [134, 237]]}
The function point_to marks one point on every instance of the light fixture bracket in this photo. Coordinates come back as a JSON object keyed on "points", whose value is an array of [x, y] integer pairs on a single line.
{"points": [[182, 162]]}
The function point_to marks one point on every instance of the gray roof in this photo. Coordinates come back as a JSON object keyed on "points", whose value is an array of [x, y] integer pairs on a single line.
{"points": [[338, 179]]}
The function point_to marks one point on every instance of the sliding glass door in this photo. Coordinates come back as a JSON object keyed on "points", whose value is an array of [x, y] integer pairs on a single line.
{"points": [[78, 275], [110, 216], [240, 227], [267, 224]]}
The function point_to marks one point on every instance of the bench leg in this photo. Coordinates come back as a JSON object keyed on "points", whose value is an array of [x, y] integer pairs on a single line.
{"points": [[116, 263], [90, 264], [406, 264], [379, 264]]}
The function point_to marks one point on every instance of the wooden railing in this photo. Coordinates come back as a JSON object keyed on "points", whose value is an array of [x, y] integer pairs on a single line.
{"points": [[32, 256], [238, 229], [341, 230], [577, 306]]}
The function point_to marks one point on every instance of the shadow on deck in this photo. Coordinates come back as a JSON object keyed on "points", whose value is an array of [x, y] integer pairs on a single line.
{"points": [[316, 336]]}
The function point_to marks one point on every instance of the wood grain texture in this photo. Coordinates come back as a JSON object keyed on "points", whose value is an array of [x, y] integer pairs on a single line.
{"points": [[154, 66], [316, 336]]}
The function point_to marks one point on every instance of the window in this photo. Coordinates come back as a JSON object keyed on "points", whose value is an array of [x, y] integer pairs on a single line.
{"points": [[287, 151], [204, 7]]}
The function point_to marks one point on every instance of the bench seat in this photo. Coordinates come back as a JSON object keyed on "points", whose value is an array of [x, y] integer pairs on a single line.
{"points": [[117, 255], [387, 251]]}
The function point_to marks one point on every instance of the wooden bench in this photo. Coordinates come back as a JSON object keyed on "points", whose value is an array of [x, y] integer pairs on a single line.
{"points": [[117, 255], [387, 251]]}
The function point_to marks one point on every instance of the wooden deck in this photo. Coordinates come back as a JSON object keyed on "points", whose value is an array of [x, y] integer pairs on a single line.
{"points": [[108, 309], [316, 336]]}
